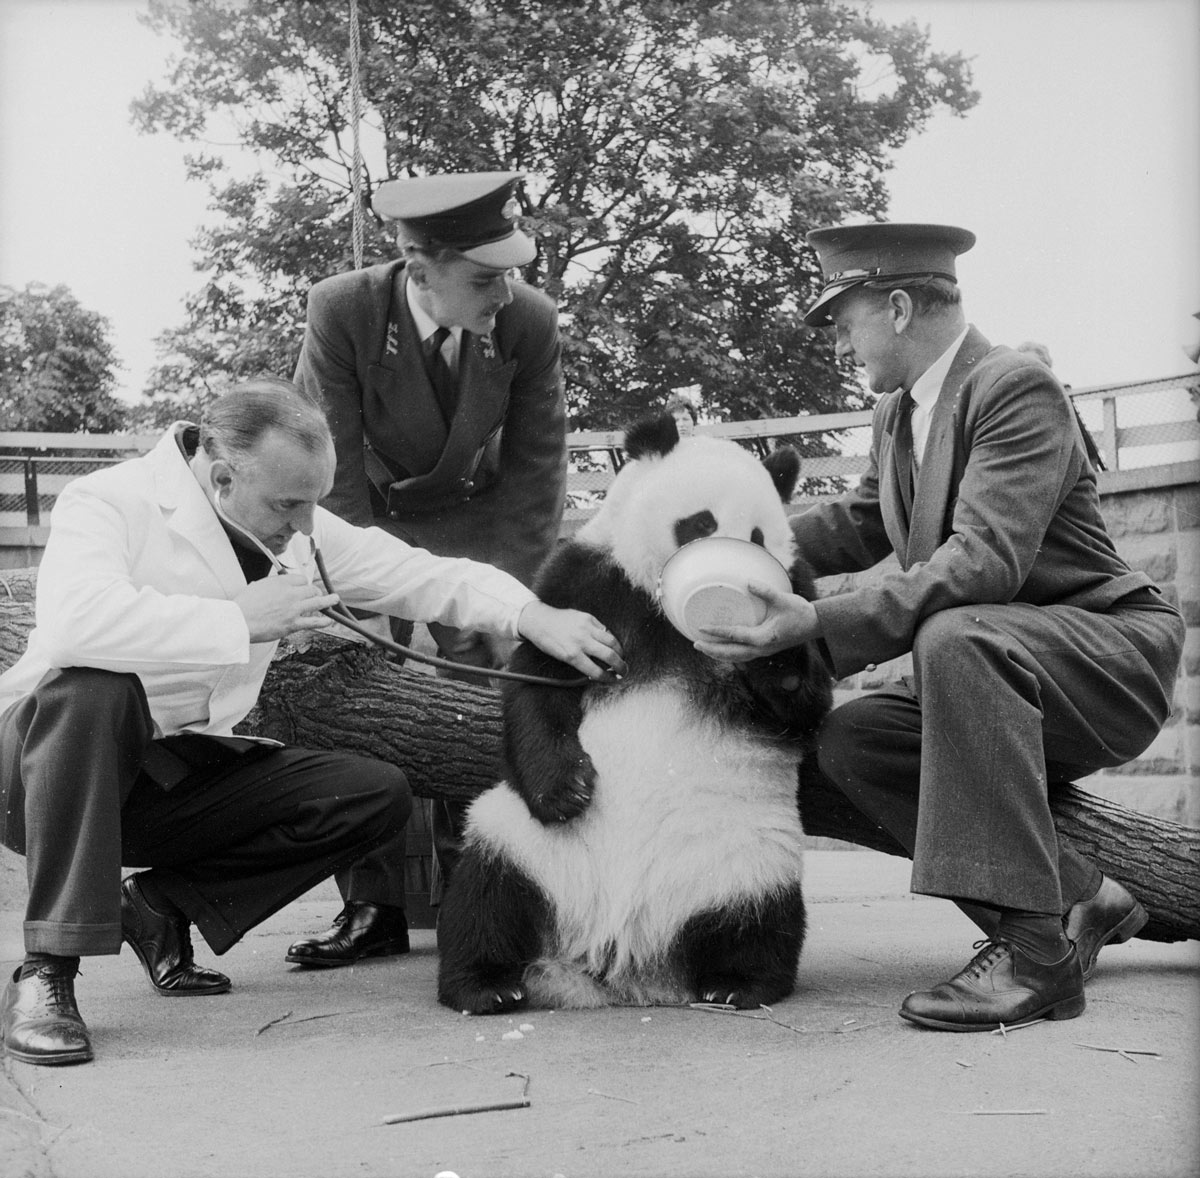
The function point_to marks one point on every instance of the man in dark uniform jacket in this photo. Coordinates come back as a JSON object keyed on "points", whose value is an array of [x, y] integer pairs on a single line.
{"points": [[1038, 654], [441, 378]]}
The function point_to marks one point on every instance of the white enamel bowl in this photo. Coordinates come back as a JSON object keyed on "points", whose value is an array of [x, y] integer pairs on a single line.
{"points": [[706, 583]]}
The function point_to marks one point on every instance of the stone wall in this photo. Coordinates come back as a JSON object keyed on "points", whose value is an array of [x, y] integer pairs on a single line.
{"points": [[1153, 516]]}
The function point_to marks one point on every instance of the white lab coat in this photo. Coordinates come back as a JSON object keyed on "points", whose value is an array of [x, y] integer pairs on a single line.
{"points": [[139, 576]]}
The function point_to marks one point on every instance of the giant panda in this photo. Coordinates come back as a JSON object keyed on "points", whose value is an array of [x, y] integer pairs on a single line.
{"points": [[646, 848]]}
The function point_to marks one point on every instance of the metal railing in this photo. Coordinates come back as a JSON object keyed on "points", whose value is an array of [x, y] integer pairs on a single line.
{"points": [[1135, 424], [1138, 424]]}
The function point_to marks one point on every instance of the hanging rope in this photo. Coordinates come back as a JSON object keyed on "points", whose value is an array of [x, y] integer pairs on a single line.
{"points": [[356, 167]]}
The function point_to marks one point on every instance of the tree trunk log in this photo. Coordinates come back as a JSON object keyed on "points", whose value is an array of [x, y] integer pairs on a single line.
{"points": [[445, 735]]}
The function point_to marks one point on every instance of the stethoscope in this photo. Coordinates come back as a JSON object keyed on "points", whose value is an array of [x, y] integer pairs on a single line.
{"points": [[343, 617]]}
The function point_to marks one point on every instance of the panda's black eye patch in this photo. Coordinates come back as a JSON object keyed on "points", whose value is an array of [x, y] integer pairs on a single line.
{"points": [[694, 527], [756, 537]]}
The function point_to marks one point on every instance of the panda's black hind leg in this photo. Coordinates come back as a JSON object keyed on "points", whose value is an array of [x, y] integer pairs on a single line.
{"points": [[745, 956], [489, 929]]}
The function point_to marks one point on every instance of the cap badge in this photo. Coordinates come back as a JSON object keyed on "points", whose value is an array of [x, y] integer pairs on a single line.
{"points": [[511, 208]]}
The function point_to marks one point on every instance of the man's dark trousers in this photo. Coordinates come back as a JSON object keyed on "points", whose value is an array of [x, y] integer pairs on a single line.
{"points": [[234, 830]]}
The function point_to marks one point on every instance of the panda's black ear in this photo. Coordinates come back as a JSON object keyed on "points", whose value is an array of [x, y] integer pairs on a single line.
{"points": [[651, 435], [783, 465]]}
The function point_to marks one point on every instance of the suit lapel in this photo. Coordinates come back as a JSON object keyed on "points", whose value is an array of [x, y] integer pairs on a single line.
{"points": [[419, 440], [404, 403], [484, 381], [931, 500], [190, 516]]}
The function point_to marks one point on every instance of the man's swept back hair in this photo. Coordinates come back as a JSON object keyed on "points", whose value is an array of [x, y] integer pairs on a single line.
{"points": [[928, 294], [233, 425]]}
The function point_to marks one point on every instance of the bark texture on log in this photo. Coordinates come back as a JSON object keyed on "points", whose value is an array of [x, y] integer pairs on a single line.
{"points": [[446, 737]]}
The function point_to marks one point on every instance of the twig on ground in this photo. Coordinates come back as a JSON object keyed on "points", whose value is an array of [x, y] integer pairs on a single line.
{"points": [[12, 1112], [308, 1018], [457, 1110], [1003, 1031], [767, 1015], [1126, 1051], [610, 1096], [266, 1026]]}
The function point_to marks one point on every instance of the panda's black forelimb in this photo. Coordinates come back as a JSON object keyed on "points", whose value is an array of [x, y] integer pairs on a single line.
{"points": [[745, 955], [489, 929], [546, 764]]}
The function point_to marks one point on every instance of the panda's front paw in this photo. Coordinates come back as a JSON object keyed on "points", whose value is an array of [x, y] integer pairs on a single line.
{"points": [[571, 798]]}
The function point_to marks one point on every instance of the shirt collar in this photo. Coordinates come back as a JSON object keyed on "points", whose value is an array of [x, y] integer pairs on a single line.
{"points": [[424, 323], [925, 391]]}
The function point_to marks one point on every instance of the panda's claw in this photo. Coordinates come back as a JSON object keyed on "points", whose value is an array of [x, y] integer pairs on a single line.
{"points": [[568, 802], [739, 999], [508, 1000]]}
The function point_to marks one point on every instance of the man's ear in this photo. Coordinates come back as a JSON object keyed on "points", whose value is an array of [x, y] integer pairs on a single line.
{"points": [[416, 271], [900, 305], [220, 475]]}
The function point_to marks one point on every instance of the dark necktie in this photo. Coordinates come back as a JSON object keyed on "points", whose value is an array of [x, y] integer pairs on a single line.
{"points": [[902, 444], [440, 376]]}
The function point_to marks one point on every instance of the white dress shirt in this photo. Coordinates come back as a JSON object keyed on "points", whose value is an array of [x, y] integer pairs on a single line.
{"points": [[426, 328], [925, 394]]}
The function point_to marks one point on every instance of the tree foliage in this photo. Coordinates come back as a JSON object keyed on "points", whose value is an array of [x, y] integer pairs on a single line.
{"points": [[677, 152], [57, 366]]}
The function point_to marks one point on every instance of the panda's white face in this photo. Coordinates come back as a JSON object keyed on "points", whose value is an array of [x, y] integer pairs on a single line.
{"points": [[702, 487]]}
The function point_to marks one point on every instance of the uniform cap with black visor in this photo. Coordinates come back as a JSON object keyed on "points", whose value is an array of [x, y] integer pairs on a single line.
{"points": [[882, 255], [474, 213]]}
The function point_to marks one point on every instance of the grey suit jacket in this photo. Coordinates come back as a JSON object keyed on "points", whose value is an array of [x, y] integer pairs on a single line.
{"points": [[1005, 509], [492, 485]]}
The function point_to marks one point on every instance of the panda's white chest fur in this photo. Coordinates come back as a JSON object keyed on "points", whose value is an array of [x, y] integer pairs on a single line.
{"points": [[688, 815]]}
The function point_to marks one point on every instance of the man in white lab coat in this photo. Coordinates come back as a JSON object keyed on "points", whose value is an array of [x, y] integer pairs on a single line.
{"points": [[165, 586]]}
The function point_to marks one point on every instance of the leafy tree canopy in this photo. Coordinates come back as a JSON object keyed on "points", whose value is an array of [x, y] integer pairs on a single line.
{"points": [[57, 367], [677, 152]]}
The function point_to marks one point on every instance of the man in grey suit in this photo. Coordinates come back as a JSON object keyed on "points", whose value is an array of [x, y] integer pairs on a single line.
{"points": [[1039, 655], [441, 378]]}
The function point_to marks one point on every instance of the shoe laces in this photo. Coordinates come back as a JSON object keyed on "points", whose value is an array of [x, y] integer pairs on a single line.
{"points": [[988, 951], [58, 980]]}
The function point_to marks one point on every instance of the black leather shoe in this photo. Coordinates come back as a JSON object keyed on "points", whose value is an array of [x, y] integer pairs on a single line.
{"points": [[40, 1021], [1112, 914], [164, 946], [359, 930], [1000, 985]]}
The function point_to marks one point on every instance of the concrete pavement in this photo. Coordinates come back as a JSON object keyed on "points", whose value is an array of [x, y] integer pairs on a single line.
{"points": [[294, 1072]]}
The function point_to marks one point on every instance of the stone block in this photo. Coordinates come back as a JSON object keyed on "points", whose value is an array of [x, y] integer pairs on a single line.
{"points": [[1175, 798], [1187, 508], [1139, 513]]}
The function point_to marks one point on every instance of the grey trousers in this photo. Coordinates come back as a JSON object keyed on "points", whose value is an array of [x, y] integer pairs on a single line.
{"points": [[1004, 701]]}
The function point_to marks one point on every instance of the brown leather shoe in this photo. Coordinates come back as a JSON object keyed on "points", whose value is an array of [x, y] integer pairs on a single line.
{"points": [[40, 1021], [164, 947], [359, 930], [1112, 914], [1000, 985]]}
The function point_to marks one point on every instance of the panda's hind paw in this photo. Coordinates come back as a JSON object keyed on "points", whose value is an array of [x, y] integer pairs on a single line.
{"points": [[508, 998], [491, 999], [730, 993]]}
